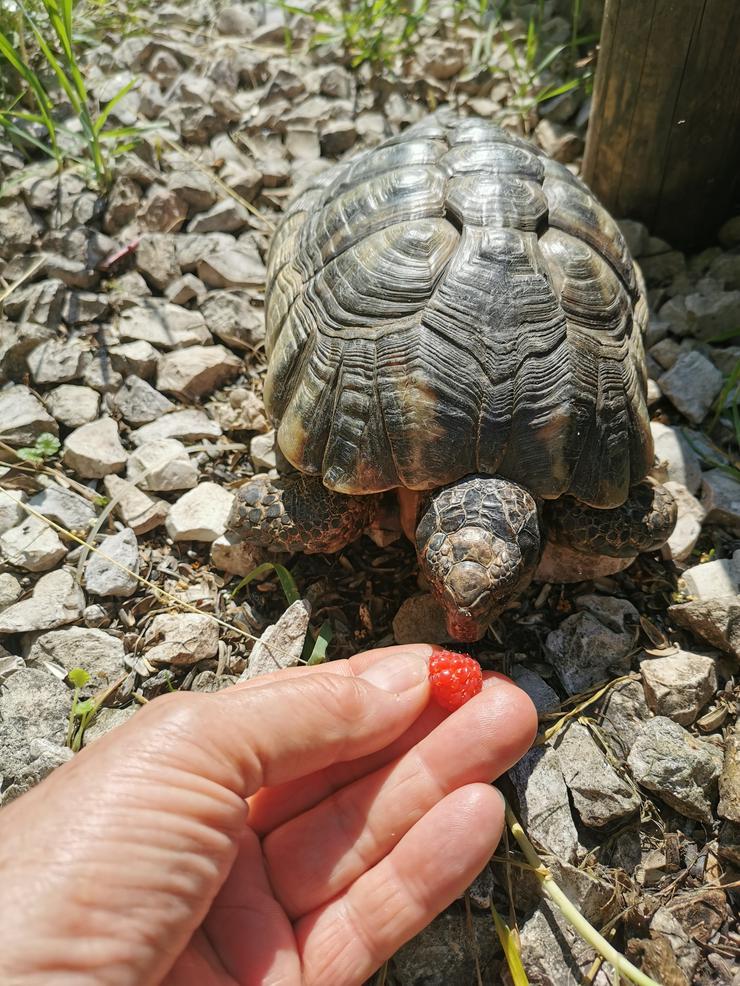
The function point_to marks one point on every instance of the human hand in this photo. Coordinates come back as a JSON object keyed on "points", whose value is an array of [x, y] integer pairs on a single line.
{"points": [[369, 810]]}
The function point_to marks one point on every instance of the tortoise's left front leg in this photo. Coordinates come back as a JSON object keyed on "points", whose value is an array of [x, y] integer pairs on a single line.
{"points": [[643, 522], [298, 513]]}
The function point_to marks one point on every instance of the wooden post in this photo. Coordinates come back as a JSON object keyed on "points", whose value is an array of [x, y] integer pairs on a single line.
{"points": [[663, 144]]}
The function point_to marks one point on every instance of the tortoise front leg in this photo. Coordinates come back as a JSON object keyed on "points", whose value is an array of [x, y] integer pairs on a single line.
{"points": [[298, 513], [642, 523]]}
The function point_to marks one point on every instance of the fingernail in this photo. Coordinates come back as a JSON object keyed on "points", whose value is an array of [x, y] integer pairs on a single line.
{"points": [[397, 673]]}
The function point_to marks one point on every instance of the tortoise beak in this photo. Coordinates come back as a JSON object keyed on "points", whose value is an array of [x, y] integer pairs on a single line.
{"points": [[464, 628]]}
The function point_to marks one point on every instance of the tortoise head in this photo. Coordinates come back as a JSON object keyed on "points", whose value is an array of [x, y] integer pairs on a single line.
{"points": [[478, 544]]}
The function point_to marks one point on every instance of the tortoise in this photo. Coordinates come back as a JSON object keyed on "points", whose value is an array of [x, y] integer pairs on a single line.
{"points": [[454, 317]]}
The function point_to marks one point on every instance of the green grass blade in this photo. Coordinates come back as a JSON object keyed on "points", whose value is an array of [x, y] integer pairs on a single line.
{"points": [[511, 951], [319, 645], [111, 105], [287, 582], [27, 138]]}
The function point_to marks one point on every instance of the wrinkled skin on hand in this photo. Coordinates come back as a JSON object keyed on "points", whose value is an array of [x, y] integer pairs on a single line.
{"points": [[295, 830]]}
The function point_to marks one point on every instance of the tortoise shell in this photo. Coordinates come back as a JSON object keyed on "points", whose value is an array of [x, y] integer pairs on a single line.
{"points": [[455, 302]]}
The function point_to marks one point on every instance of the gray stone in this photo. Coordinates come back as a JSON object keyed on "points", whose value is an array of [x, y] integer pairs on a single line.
{"points": [[162, 211], [420, 619], [714, 578], [545, 698], [337, 136], [558, 141], [97, 652], [128, 291], [137, 509], [156, 259], [33, 706], [680, 768], [679, 685], [112, 570], [281, 645], [552, 953], [139, 403], [231, 269], [233, 317], [720, 497], [181, 639], [243, 178], [137, 358], [10, 590], [44, 756], [96, 616], [688, 524], [56, 601], [106, 720], [262, 450], [584, 652], [444, 953], [666, 352], [600, 795], [23, 417], [65, 507], [192, 248], [226, 216], [691, 385], [11, 511], [615, 613], [543, 802], [653, 393], [190, 426], [729, 233], [726, 268], [716, 620], [193, 187], [197, 370], [729, 781], [623, 712], [245, 414], [162, 465], [40, 302], [162, 324], [635, 235], [72, 405], [98, 372], [19, 228], [83, 307], [16, 342], [55, 362], [94, 450], [706, 315], [661, 268], [200, 514], [684, 950], [31, 545]]}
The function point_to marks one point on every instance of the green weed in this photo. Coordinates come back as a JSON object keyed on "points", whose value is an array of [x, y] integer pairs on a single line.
{"points": [[58, 76], [82, 712], [45, 446]]}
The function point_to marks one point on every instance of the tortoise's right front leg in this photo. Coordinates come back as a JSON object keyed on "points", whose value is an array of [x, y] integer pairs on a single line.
{"points": [[298, 513]]}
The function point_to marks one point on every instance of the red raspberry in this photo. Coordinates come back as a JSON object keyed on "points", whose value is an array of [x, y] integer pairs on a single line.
{"points": [[454, 678]]}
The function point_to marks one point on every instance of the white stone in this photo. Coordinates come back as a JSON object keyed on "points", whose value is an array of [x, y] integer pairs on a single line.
{"points": [[584, 651], [11, 511], [691, 385], [680, 685], [56, 601], [97, 652], [32, 545], [690, 515], [55, 362], [163, 324], [201, 514], [73, 406], [229, 553], [10, 590], [196, 371], [137, 509], [23, 417], [138, 358], [163, 466], [190, 426], [714, 578], [262, 450], [671, 447], [95, 450], [33, 705], [600, 795], [281, 645], [103, 576], [181, 639]]}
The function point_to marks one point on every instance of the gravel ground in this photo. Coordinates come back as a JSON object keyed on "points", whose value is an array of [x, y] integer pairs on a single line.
{"points": [[131, 362]]}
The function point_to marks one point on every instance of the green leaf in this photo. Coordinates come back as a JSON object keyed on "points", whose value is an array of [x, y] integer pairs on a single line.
{"points": [[320, 644], [30, 455], [287, 582], [47, 444], [84, 708], [511, 951], [79, 677], [111, 104]]}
